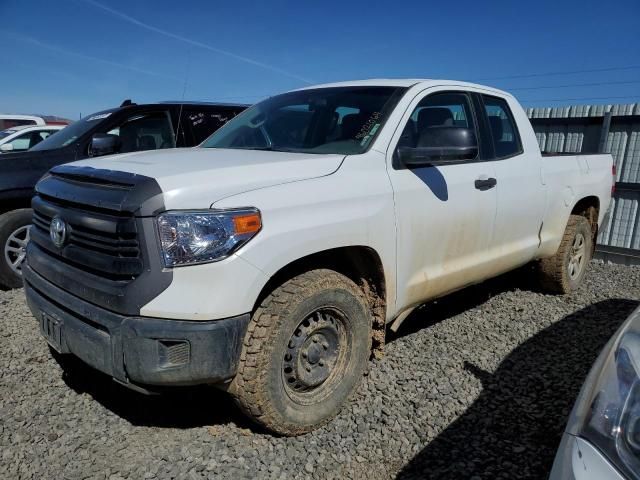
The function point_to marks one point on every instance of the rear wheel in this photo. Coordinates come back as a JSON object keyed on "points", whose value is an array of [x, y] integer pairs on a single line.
{"points": [[305, 352], [14, 236], [565, 271]]}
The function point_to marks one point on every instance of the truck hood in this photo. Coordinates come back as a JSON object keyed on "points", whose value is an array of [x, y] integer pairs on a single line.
{"points": [[198, 177]]}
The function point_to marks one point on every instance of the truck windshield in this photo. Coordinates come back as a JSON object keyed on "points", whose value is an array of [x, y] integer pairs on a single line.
{"points": [[70, 134], [339, 120]]}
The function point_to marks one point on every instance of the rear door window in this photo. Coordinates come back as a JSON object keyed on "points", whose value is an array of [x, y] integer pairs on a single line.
{"points": [[37, 137], [202, 123], [506, 139], [47, 133]]}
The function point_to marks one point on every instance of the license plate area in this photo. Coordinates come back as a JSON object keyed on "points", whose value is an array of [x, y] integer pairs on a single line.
{"points": [[51, 329]]}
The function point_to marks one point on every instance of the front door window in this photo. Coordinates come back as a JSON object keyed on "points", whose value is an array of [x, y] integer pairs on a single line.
{"points": [[150, 131]]}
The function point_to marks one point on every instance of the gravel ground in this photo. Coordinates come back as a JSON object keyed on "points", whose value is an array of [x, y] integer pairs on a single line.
{"points": [[476, 385]]}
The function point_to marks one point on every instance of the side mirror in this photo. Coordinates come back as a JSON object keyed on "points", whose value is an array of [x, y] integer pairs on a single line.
{"points": [[7, 147], [104, 144], [440, 146]]}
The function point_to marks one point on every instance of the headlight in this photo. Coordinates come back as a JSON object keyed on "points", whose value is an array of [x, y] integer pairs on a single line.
{"points": [[608, 414], [205, 236]]}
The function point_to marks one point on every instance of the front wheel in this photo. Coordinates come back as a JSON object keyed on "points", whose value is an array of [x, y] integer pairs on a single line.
{"points": [[14, 236], [305, 352]]}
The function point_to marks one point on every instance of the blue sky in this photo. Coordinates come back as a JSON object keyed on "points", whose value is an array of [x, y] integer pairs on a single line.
{"points": [[78, 56]]}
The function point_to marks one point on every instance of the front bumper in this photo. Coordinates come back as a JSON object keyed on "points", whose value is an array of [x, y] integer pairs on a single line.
{"points": [[140, 352]]}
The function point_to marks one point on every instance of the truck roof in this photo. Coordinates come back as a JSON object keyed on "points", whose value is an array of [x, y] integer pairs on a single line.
{"points": [[406, 82], [212, 104]]}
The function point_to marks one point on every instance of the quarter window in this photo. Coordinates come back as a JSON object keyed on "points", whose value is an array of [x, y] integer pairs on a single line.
{"points": [[506, 140]]}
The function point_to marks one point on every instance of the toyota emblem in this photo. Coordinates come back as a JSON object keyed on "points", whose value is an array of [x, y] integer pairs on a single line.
{"points": [[58, 231]]}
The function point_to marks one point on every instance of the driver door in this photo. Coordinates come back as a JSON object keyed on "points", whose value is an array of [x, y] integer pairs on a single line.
{"points": [[445, 213]]}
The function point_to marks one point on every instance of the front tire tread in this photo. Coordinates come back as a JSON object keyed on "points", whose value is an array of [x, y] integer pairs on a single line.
{"points": [[250, 385]]}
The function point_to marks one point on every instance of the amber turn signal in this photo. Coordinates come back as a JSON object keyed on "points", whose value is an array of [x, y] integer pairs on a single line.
{"points": [[244, 224]]}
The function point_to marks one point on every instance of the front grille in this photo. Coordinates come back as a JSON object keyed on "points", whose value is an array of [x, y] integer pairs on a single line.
{"points": [[119, 245], [109, 256], [102, 244]]}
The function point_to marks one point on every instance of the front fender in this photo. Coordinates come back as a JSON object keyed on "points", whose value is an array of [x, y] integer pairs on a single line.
{"points": [[352, 207]]}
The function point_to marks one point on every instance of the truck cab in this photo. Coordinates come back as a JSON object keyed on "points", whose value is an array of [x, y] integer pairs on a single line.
{"points": [[270, 260]]}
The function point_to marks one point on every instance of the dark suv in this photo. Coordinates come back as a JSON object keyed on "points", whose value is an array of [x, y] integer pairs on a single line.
{"points": [[128, 128]]}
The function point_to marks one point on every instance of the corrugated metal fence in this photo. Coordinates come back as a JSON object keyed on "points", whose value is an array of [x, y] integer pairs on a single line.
{"points": [[611, 129]]}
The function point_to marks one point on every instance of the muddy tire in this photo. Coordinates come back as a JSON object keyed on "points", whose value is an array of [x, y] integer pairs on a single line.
{"points": [[564, 272], [14, 235], [305, 352]]}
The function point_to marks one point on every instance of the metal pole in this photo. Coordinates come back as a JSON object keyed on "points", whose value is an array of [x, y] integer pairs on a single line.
{"points": [[604, 132]]}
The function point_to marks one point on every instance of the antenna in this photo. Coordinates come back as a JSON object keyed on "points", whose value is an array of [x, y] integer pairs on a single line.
{"points": [[184, 91]]}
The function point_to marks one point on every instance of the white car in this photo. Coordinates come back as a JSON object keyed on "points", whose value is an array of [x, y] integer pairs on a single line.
{"points": [[22, 138], [602, 438], [269, 259]]}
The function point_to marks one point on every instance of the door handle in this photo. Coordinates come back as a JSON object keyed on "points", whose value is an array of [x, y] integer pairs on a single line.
{"points": [[485, 183]]}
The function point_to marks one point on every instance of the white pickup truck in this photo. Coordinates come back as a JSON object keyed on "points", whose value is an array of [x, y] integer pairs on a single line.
{"points": [[270, 259]]}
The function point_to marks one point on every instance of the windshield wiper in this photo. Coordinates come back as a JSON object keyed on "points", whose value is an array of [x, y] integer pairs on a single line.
{"points": [[274, 148]]}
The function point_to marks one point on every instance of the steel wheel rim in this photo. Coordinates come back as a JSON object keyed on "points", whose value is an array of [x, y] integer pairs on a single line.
{"points": [[315, 354], [577, 256]]}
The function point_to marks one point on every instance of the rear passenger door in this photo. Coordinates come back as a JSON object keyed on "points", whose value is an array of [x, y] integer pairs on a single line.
{"points": [[520, 192], [445, 214]]}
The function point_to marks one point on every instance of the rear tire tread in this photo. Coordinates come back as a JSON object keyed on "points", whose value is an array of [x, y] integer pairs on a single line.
{"points": [[554, 277]]}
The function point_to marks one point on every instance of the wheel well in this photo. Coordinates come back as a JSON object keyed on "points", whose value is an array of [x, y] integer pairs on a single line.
{"points": [[14, 204], [358, 263], [589, 207]]}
